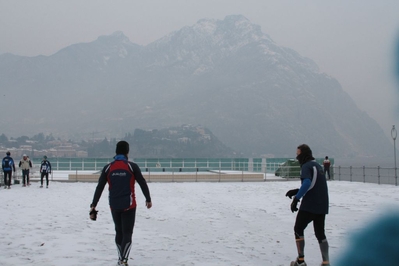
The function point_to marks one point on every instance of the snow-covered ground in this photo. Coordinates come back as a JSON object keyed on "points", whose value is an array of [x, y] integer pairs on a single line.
{"points": [[210, 224]]}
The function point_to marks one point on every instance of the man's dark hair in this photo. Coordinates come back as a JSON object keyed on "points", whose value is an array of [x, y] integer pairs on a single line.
{"points": [[304, 148], [122, 147], [306, 154]]}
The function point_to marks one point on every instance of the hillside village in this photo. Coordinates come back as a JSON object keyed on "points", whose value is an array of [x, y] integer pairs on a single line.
{"points": [[183, 141], [38, 146]]}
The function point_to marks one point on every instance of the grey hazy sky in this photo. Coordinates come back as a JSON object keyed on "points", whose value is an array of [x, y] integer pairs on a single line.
{"points": [[351, 40]]}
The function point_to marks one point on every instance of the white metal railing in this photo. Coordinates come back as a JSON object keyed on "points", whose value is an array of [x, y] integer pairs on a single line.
{"points": [[366, 174]]}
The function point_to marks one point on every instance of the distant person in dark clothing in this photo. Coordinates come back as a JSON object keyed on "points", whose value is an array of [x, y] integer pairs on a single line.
{"points": [[45, 170], [25, 164], [314, 206], [121, 176], [326, 165], [8, 166]]}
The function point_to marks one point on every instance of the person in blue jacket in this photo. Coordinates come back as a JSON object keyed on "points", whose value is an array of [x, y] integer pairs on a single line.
{"points": [[314, 206], [121, 176], [8, 166]]}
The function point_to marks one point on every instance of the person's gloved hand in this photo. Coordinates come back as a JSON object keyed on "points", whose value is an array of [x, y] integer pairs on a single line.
{"points": [[93, 213], [292, 192], [294, 204]]}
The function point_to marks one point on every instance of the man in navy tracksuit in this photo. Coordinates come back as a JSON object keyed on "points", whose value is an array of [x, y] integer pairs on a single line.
{"points": [[314, 206], [121, 176], [8, 165]]}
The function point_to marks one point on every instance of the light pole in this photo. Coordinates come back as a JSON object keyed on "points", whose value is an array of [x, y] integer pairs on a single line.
{"points": [[394, 134]]}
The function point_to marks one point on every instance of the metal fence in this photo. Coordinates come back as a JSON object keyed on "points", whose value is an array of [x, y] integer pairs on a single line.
{"points": [[170, 164], [259, 165], [365, 174]]}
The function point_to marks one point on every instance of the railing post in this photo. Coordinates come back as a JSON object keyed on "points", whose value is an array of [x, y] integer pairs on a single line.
{"points": [[339, 173], [378, 171], [350, 172], [364, 174], [265, 170]]}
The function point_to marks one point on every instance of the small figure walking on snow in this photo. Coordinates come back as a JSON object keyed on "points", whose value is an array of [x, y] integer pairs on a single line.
{"points": [[121, 175], [8, 165], [45, 169], [25, 164], [326, 165]]}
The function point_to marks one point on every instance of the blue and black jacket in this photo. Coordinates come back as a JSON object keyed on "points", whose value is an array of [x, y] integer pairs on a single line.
{"points": [[45, 167], [313, 190], [8, 164]]}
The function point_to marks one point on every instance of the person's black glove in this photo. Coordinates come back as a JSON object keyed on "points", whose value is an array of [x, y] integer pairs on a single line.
{"points": [[294, 204], [292, 192], [93, 214]]}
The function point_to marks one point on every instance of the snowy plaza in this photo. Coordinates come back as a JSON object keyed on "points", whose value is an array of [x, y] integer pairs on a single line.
{"points": [[207, 224]]}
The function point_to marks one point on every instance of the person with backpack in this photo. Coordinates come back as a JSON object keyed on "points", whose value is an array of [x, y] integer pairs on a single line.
{"points": [[25, 164], [314, 206], [8, 166], [121, 176], [45, 169]]}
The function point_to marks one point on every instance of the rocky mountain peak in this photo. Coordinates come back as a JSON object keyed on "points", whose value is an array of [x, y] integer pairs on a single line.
{"points": [[116, 37], [234, 31]]}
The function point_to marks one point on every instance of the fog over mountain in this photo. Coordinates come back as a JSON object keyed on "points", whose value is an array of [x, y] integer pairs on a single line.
{"points": [[227, 75]]}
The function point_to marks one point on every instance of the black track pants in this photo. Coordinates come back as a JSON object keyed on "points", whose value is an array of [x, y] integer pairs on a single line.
{"points": [[303, 218], [7, 181], [25, 176], [41, 178], [124, 224]]}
